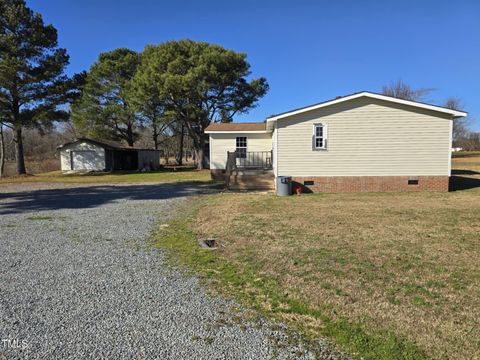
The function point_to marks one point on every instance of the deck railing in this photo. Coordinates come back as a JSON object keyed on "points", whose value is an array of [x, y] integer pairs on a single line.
{"points": [[249, 160], [259, 160], [254, 160]]}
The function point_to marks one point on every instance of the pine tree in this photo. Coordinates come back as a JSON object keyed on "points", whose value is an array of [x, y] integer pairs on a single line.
{"points": [[33, 85], [197, 83], [105, 109]]}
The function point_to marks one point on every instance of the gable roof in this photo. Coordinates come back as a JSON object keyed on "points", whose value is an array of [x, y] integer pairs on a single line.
{"points": [[258, 127], [454, 113], [107, 144]]}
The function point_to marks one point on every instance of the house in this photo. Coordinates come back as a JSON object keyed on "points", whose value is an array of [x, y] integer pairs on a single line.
{"points": [[85, 154], [360, 142]]}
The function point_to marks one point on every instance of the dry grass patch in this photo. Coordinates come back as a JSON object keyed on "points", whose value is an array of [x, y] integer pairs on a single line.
{"points": [[170, 175], [401, 262], [466, 161], [383, 275]]}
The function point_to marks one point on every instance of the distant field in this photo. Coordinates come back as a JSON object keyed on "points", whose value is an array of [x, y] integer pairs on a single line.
{"points": [[382, 275], [465, 154], [165, 176], [469, 161]]}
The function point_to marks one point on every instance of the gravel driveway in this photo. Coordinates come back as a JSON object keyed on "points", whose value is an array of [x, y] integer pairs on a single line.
{"points": [[77, 282]]}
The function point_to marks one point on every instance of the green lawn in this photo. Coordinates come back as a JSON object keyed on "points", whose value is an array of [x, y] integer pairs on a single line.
{"points": [[164, 176], [382, 275], [462, 154]]}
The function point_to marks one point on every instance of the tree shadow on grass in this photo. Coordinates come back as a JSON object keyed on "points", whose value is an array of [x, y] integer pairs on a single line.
{"points": [[86, 197]]}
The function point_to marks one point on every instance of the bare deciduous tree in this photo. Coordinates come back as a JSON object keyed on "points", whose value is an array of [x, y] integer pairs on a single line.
{"points": [[401, 90], [462, 136], [460, 125]]}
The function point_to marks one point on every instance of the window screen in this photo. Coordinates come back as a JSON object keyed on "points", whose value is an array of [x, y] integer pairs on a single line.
{"points": [[241, 147], [320, 136]]}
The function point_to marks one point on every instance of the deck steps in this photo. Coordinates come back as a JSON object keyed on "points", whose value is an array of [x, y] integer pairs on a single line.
{"points": [[252, 180]]}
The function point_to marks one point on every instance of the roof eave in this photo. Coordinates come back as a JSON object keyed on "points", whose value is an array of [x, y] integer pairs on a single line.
{"points": [[237, 131], [454, 113], [102, 144], [459, 114]]}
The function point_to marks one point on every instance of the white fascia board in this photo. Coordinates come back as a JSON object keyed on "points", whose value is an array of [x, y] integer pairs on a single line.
{"points": [[454, 113], [239, 132]]}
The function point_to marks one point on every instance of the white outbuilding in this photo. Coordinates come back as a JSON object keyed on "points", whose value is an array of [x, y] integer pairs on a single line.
{"points": [[85, 154]]}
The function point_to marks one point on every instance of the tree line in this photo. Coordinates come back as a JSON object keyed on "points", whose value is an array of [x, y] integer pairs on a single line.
{"points": [[180, 86], [171, 90], [174, 87]]}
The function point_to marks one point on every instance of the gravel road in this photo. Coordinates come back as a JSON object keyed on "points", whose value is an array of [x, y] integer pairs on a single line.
{"points": [[78, 282]]}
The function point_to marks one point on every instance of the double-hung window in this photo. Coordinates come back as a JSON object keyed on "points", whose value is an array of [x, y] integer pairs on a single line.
{"points": [[319, 136], [241, 147]]}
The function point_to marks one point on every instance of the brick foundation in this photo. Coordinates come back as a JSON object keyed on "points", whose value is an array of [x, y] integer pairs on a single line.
{"points": [[217, 174], [331, 184]]}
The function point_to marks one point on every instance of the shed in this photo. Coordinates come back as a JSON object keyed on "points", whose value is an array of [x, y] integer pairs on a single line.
{"points": [[85, 154]]}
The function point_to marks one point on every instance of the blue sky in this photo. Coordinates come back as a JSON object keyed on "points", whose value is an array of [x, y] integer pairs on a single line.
{"points": [[309, 51]]}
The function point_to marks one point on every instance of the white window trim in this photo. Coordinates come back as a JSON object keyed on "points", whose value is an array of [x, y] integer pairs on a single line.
{"points": [[242, 147], [324, 137]]}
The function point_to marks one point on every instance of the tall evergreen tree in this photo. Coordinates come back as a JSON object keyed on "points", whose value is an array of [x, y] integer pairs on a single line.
{"points": [[33, 85], [105, 108], [151, 108], [198, 83]]}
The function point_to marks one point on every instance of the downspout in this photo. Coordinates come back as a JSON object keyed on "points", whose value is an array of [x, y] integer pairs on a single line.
{"points": [[276, 150], [210, 142], [275, 153], [450, 147]]}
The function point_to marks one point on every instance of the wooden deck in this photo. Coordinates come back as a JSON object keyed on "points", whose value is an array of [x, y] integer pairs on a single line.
{"points": [[251, 180], [252, 171]]}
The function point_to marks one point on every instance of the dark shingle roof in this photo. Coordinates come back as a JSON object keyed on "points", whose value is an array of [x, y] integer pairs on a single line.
{"points": [[236, 127], [108, 144]]}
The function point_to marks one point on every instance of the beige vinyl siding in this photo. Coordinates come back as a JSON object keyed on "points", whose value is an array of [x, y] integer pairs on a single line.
{"points": [[366, 137], [221, 143]]}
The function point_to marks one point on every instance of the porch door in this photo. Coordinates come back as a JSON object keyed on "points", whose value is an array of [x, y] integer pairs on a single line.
{"points": [[241, 150]]}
